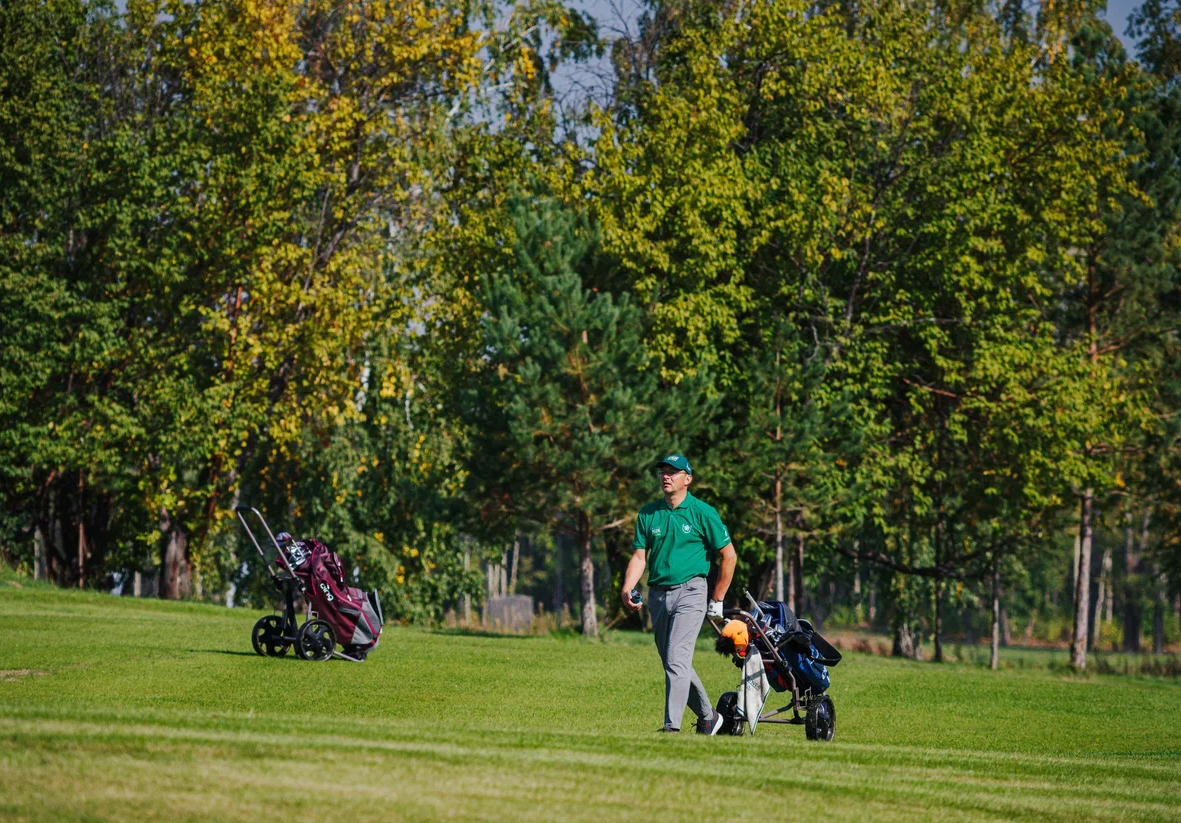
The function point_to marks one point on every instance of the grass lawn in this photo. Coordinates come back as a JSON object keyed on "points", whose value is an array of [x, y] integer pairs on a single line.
{"points": [[118, 709]]}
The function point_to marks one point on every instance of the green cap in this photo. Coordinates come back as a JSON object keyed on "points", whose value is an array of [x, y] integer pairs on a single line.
{"points": [[677, 461]]}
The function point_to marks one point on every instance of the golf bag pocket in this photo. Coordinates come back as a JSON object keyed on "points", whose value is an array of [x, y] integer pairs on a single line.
{"points": [[366, 608], [809, 670]]}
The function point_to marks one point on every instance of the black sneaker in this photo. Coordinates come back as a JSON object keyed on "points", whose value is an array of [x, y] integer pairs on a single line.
{"points": [[711, 725], [668, 729]]}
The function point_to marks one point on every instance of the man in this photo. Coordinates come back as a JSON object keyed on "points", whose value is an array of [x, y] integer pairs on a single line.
{"points": [[676, 538]]}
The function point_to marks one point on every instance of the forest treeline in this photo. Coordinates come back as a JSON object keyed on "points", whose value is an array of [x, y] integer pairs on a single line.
{"points": [[438, 281]]}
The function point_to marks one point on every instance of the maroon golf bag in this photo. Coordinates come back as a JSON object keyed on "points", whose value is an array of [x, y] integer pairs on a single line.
{"points": [[353, 615], [342, 620]]}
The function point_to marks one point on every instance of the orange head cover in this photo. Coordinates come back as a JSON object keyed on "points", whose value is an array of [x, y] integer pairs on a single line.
{"points": [[734, 638]]}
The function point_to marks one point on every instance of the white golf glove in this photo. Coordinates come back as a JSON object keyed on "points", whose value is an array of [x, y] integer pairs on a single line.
{"points": [[714, 609]]}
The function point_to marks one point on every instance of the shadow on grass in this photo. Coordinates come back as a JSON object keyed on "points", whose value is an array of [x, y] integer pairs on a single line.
{"points": [[458, 632], [289, 656]]}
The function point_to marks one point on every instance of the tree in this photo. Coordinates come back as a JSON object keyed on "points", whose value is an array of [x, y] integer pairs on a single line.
{"points": [[780, 449], [565, 417], [61, 330], [1115, 312], [897, 185], [245, 167]]}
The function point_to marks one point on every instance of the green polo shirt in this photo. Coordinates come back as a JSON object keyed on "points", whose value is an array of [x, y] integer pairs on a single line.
{"points": [[680, 542]]}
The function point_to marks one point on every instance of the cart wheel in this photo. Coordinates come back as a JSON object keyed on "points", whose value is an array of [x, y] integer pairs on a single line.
{"points": [[728, 709], [315, 641], [266, 636], [820, 723]]}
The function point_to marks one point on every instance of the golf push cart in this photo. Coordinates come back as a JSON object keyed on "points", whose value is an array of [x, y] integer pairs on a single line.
{"points": [[337, 614], [776, 652]]}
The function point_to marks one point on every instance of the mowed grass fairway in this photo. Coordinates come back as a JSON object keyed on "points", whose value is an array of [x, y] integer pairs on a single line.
{"points": [[117, 709]]}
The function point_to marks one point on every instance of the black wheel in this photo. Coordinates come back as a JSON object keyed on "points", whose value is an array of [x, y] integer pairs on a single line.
{"points": [[315, 641], [820, 723], [266, 636], [727, 707]]}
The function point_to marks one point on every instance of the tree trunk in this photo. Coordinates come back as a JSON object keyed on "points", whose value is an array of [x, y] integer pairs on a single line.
{"points": [[779, 539], [59, 563], [512, 580], [1133, 616], [467, 598], [938, 590], [176, 567], [559, 598], [1074, 565], [40, 555], [857, 613], [1082, 584], [491, 584], [797, 573], [938, 619], [789, 585], [606, 584], [907, 643], [81, 555], [994, 647], [1109, 600], [908, 640], [494, 574], [1158, 615], [1006, 629], [586, 569], [1104, 591], [80, 507]]}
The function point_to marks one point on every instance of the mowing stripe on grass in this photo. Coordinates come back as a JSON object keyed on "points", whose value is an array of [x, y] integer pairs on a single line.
{"points": [[159, 711]]}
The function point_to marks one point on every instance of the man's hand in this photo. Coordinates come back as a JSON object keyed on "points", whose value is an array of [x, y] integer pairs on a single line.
{"points": [[714, 609], [631, 579]]}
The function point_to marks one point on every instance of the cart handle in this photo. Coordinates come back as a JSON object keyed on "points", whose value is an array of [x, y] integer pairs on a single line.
{"points": [[238, 510]]}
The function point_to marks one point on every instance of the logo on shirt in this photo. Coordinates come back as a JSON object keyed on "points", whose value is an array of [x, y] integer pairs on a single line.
{"points": [[655, 530], [686, 528]]}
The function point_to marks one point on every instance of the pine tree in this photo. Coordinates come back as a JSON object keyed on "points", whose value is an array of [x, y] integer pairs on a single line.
{"points": [[563, 417]]}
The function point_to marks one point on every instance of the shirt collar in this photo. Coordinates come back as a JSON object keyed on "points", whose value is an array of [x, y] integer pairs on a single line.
{"points": [[684, 503]]}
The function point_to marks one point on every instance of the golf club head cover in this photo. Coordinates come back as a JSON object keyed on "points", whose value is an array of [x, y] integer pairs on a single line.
{"points": [[734, 639]]}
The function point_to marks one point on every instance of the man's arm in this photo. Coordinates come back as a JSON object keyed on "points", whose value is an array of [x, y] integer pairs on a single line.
{"points": [[727, 558], [631, 578]]}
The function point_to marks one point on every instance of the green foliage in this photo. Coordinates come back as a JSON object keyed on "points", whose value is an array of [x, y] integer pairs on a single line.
{"points": [[566, 418], [569, 400], [901, 278]]}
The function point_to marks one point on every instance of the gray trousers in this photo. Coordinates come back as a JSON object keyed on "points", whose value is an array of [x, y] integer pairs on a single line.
{"points": [[677, 615]]}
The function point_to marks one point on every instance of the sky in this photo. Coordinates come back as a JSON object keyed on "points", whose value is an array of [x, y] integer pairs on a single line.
{"points": [[574, 83], [609, 12], [1117, 17]]}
